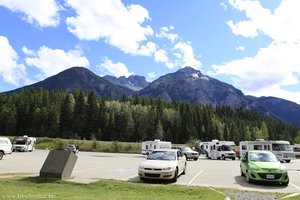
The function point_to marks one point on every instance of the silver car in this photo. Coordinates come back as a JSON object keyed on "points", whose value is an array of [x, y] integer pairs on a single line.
{"points": [[163, 164]]}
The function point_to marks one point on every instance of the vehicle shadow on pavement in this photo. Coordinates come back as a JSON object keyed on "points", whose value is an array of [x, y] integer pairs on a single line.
{"points": [[258, 185], [148, 181]]}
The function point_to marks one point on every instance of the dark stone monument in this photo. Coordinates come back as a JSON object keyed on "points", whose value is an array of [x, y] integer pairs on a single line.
{"points": [[58, 164]]}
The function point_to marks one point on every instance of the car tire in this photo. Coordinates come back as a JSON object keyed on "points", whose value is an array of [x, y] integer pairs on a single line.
{"points": [[184, 170], [195, 159], [287, 161], [223, 157], [1, 155], [233, 158], [242, 173], [174, 180]]}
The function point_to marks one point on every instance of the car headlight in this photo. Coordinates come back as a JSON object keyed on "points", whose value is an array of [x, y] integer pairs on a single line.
{"points": [[282, 169], [167, 168], [254, 168]]}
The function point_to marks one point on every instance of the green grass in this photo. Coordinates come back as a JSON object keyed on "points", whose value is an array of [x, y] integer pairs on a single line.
{"points": [[40, 188], [89, 145]]}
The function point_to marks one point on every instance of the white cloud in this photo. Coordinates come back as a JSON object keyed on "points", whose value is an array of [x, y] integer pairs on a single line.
{"points": [[281, 25], [116, 69], [152, 75], [272, 67], [119, 25], [276, 66], [240, 48], [10, 70], [53, 61], [42, 13], [165, 33], [187, 55]]}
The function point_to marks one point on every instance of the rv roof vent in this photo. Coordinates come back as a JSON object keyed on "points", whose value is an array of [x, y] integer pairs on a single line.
{"points": [[157, 140], [215, 140], [260, 140]]}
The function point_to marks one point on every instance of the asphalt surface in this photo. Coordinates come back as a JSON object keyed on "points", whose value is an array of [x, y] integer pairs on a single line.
{"points": [[92, 166]]}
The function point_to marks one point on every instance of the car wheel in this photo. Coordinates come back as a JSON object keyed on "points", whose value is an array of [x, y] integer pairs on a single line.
{"points": [[242, 173], [184, 170], [174, 180], [195, 159], [223, 157], [142, 179], [286, 183], [233, 158], [288, 161], [1, 155]]}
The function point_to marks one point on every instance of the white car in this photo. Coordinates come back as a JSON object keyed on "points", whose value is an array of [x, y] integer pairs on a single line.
{"points": [[163, 164], [5, 146]]}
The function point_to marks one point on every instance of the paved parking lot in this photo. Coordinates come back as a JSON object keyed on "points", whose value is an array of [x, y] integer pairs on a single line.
{"points": [[91, 166]]}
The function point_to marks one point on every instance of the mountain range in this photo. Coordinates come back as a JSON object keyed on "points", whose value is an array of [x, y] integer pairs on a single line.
{"points": [[185, 85]]}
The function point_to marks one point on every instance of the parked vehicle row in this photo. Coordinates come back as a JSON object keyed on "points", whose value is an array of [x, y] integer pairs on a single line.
{"points": [[20, 143]]}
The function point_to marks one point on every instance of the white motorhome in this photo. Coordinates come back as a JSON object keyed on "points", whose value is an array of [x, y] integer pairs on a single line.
{"points": [[296, 148], [283, 149], [5, 146], [218, 149], [149, 146], [24, 143]]}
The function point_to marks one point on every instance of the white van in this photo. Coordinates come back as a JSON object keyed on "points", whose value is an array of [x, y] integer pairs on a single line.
{"points": [[5, 146], [24, 143], [218, 149]]}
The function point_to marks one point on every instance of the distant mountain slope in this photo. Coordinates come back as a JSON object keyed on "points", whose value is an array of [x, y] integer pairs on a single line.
{"points": [[190, 85], [285, 110], [133, 82], [82, 78]]}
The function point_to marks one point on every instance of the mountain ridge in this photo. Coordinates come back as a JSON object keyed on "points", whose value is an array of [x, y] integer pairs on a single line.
{"points": [[185, 85]]}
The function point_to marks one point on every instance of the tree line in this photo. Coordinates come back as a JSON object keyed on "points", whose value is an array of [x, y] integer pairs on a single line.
{"points": [[40, 113]]}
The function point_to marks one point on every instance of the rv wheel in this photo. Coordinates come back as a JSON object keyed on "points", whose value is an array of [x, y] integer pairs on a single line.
{"points": [[1, 155]]}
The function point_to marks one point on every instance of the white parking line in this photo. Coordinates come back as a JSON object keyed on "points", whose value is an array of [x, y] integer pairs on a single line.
{"points": [[295, 186], [192, 180]]}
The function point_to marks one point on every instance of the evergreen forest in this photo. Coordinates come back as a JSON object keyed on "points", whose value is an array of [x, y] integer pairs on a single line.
{"points": [[40, 113]]}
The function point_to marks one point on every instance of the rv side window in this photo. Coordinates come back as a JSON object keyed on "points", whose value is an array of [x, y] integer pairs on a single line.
{"points": [[244, 147], [266, 147], [147, 146], [154, 146], [257, 147], [214, 147]]}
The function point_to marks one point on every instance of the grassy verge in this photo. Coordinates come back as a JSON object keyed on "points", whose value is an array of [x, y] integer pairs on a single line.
{"points": [[89, 145], [39, 188]]}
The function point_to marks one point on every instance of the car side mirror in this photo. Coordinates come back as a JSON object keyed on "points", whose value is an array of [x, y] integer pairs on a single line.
{"points": [[244, 160]]}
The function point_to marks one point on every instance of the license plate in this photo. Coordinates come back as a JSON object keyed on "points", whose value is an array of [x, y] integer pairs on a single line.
{"points": [[270, 176]]}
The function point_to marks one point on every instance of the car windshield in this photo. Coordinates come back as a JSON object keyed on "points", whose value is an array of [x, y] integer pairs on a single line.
{"points": [[71, 146], [186, 149], [262, 157], [282, 147], [162, 155], [21, 142]]}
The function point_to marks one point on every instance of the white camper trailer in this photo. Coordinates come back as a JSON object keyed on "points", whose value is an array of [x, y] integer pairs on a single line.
{"points": [[149, 146], [218, 149], [5, 146], [283, 149], [24, 143]]}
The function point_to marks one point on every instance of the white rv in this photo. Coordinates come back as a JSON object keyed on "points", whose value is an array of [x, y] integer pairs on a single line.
{"points": [[283, 149], [218, 149], [149, 146], [5, 147], [24, 143]]}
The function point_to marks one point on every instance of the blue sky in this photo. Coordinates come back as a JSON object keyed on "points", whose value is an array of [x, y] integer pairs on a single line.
{"points": [[253, 45]]}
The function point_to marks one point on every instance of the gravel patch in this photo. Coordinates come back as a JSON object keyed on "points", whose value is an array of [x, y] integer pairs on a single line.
{"points": [[243, 195]]}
